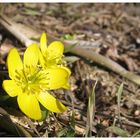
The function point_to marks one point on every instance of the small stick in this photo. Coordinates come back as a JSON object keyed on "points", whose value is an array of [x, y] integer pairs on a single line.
{"points": [[13, 29], [131, 123], [77, 50]]}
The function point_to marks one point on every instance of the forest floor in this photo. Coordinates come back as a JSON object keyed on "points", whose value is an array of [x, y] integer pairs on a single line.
{"points": [[116, 30]]}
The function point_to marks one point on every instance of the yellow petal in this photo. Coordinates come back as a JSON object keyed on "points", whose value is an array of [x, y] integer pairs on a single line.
{"points": [[67, 69], [11, 88], [57, 77], [41, 59], [31, 56], [56, 49], [51, 103], [14, 62], [67, 86], [29, 105], [43, 43]]}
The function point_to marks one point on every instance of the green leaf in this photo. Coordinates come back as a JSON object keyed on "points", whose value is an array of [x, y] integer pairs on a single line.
{"points": [[69, 37], [45, 113], [118, 131], [4, 98]]}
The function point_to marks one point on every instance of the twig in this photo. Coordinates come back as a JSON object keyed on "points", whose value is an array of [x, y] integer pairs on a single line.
{"points": [[13, 29], [126, 121], [77, 50]]}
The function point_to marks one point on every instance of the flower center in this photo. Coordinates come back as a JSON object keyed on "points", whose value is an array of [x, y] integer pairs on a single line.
{"points": [[32, 81], [52, 58]]}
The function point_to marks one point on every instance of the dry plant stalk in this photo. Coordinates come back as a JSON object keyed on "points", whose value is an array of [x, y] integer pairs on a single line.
{"points": [[12, 27]]}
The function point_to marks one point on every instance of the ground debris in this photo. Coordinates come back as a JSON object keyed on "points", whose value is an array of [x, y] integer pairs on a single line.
{"points": [[112, 30]]}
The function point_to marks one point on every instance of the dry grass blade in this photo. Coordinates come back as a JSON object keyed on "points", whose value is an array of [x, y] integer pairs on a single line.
{"points": [[119, 93], [118, 131], [90, 112], [136, 133]]}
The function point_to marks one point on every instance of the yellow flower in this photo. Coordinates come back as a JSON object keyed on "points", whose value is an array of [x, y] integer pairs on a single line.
{"points": [[30, 83], [51, 56]]}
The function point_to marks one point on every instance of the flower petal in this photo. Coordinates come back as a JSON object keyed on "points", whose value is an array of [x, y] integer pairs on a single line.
{"points": [[67, 85], [41, 59], [51, 103], [29, 105], [43, 43], [11, 88], [14, 62], [56, 49], [67, 69], [57, 77], [31, 56]]}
